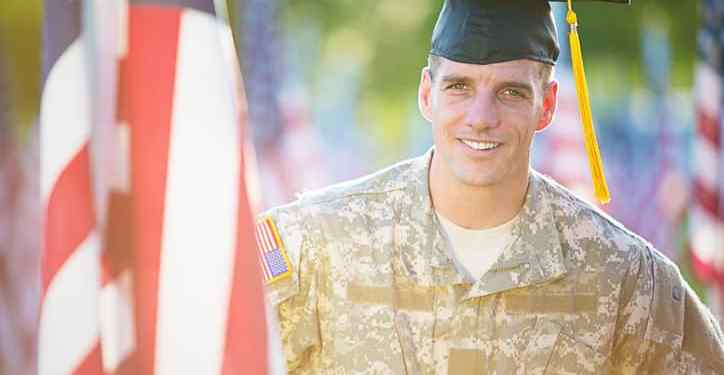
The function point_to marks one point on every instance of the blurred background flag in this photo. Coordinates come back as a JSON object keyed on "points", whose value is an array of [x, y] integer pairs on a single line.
{"points": [[149, 258], [69, 336], [707, 211]]}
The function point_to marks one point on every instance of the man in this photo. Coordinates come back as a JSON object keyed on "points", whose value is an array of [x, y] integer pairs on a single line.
{"points": [[465, 261]]}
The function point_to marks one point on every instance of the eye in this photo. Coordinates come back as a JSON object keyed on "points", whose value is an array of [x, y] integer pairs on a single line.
{"points": [[514, 93], [456, 86]]}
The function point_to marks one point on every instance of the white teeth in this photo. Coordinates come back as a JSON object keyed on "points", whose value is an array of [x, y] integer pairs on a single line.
{"points": [[480, 145]]}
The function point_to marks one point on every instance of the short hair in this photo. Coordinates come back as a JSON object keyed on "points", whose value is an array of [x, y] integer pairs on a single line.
{"points": [[545, 74], [545, 71], [433, 63]]}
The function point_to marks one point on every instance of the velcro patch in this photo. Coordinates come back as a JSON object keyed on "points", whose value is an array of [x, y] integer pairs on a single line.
{"points": [[273, 258]]}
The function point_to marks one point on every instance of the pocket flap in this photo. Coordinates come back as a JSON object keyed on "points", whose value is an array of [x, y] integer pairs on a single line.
{"points": [[574, 357]]}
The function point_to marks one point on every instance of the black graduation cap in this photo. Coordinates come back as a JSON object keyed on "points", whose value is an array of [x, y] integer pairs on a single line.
{"points": [[490, 31], [493, 31]]}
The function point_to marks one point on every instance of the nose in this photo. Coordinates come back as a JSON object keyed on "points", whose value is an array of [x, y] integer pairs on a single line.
{"points": [[483, 112]]}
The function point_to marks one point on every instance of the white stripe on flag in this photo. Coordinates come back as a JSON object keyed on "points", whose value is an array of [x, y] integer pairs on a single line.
{"points": [[65, 124], [707, 88], [706, 162], [707, 236], [122, 24], [265, 237], [200, 218], [269, 237], [68, 319], [260, 236], [116, 321], [262, 261], [121, 178]]}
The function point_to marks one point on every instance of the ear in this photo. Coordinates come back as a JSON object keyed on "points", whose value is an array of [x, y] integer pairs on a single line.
{"points": [[550, 101], [424, 94]]}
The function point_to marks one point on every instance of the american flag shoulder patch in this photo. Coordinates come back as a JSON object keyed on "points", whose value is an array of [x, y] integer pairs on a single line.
{"points": [[273, 257]]}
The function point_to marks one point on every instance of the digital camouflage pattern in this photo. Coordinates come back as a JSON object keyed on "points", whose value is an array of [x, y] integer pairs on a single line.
{"points": [[374, 290]]}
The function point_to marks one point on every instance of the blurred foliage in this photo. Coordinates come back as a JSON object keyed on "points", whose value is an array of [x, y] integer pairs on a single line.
{"points": [[389, 39], [20, 36], [612, 40]]}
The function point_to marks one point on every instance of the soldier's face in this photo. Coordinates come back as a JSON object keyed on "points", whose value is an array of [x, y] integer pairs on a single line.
{"points": [[484, 118]]}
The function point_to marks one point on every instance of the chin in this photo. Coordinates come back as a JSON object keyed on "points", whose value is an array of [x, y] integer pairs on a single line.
{"points": [[479, 179], [492, 174]]}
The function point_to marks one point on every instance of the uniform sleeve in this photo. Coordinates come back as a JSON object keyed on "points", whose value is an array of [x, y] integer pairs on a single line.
{"points": [[295, 297], [663, 328]]}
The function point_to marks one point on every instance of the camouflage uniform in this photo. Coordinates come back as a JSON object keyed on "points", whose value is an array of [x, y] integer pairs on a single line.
{"points": [[374, 290]]}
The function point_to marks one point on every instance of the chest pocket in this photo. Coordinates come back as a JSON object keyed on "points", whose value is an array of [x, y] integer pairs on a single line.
{"points": [[546, 349], [570, 356]]}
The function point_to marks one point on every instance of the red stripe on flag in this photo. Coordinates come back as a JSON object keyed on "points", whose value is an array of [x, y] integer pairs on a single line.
{"points": [[708, 200], [92, 364], [265, 240], [127, 366], [146, 93], [262, 261], [70, 216], [246, 341], [118, 238], [707, 127], [270, 236], [705, 270], [271, 241]]}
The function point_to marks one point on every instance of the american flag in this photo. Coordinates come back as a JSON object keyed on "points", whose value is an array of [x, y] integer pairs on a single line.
{"points": [[272, 255], [149, 259], [707, 212]]}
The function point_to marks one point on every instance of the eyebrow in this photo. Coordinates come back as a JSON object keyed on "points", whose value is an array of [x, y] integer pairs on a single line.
{"points": [[455, 78], [466, 79], [516, 85]]}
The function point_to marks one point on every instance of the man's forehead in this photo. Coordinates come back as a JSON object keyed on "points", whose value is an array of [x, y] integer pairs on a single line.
{"points": [[521, 69]]}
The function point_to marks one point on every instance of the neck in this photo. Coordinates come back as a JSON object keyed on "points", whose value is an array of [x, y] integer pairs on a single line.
{"points": [[475, 206]]}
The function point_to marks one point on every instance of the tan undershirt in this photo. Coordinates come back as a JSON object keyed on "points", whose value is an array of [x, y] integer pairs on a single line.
{"points": [[476, 250]]}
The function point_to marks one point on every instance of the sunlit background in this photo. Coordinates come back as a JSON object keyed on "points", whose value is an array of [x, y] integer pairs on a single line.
{"points": [[332, 90]]}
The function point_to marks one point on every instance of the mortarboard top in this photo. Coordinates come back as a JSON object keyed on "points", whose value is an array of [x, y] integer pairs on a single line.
{"points": [[492, 31]]}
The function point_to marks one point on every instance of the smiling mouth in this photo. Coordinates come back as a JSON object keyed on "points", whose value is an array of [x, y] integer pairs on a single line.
{"points": [[480, 146]]}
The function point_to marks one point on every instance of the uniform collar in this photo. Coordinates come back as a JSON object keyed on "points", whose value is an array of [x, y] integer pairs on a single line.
{"points": [[534, 257], [424, 252]]}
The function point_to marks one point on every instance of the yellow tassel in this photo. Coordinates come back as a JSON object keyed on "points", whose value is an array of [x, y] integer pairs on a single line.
{"points": [[589, 133]]}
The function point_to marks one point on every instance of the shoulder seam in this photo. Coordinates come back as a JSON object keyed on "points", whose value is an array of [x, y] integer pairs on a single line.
{"points": [[588, 207], [313, 202]]}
